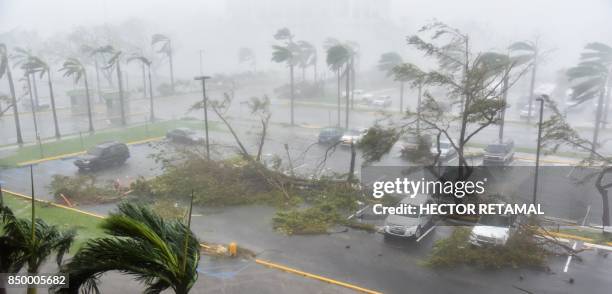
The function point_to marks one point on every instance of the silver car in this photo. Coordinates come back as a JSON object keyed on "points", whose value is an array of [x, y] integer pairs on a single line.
{"points": [[409, 225]]}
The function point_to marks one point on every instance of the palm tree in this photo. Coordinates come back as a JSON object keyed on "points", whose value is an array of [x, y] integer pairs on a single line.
{"points": [[335, 66], [246, 55], [339, 56], [146, 62], [12, 258], [73, 67], [88, 50], [114, 61], [288, 54], [591, 77], [33, 244], [6, 69], [528, 51], [22, 56], [160, 253], [308, 57], [387, 62], [37, 65], [166, 48]]}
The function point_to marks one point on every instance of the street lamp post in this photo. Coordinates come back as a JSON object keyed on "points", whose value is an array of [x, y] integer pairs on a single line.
{"points": [[537, 162], [205, 102]]}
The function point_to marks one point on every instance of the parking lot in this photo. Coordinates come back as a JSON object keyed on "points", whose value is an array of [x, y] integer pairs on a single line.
{"points": [[352, 256]]}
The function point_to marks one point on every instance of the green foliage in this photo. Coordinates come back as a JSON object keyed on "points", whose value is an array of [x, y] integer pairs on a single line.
{"points": [[330, 204], [82, 189], [214, 183], [314, 220], [36, 242], [377, 142], [520, 251], [160, 253], [388, 61], [168, 209]]}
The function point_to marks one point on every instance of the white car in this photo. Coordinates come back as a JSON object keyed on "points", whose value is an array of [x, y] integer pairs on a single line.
{"points": [[409, 225], [447, 151], [352, 136], [493, 230], [382, 101]]}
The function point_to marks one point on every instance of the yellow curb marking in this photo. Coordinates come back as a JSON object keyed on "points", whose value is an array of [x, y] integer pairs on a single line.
{"points": [[547, 160], [68, 208], [67, 155], [53, 204], [316, 277], [50, 158], [573, 237]]}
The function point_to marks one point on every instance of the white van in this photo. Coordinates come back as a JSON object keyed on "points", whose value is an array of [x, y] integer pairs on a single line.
{"points": [[493, 230]]}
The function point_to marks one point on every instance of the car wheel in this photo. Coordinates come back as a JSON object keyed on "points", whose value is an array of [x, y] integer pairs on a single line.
{"points": [[418, 232]]}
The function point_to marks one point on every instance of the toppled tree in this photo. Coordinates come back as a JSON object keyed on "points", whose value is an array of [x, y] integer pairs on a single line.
{"points": [[257, 107]]}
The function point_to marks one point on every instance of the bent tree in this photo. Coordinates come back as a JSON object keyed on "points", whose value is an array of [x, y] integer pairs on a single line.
{"points": [[472, 82], [159, 253], [557, 132]]}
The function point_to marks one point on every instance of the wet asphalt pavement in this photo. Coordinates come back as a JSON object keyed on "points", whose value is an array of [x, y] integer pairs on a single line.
{"points": [[364, 259]]}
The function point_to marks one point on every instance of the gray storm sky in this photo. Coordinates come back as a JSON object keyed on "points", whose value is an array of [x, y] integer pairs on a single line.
{"points": [[565, 25]]}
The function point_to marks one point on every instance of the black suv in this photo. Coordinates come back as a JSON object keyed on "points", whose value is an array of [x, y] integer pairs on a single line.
{"points": [[103, 155], [330, 135], [499, 153]]}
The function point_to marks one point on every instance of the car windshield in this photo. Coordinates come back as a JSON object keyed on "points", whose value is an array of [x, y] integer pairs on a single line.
{"points": [[445, 145], [328, 131], [495, 148], [495, 220], [96, 151]]}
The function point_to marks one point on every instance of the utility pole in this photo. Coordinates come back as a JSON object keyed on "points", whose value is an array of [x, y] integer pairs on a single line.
{"points": [[537, 163], [205, 104]]}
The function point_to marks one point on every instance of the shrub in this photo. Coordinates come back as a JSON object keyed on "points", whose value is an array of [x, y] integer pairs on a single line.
{"points": [[82, 189], [521, 250]]}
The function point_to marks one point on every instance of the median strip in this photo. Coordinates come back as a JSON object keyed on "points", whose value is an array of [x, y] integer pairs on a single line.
{"points": [[68, 155]]}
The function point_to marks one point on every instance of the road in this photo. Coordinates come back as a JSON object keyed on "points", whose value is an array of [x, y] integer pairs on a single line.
{"points": [[315, 115]]}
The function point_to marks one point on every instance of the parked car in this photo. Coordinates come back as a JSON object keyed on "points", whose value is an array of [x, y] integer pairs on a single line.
{"points": [[103, 155], [352, 136], [493, 230], [447, 151], [185, 136], [382, 101], [330, 135], [412, 142], [499, 153], [409, 225]]}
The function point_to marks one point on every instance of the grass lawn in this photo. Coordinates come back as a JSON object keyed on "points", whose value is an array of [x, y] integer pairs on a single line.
{"points": [[77, 144], [597, 235], [86, 226]]}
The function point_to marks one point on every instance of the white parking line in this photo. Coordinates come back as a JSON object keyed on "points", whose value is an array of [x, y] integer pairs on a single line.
{"points": [[426, 233], [569, 258]]}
